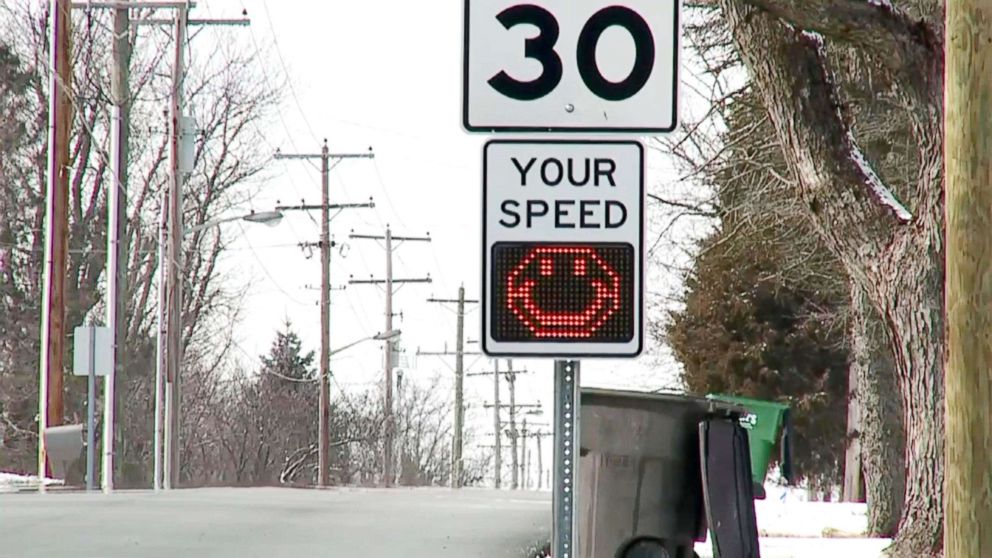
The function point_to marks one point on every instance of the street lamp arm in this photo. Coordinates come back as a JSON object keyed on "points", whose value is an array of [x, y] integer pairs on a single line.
{"points": [[265, 217], [387, 336], [349, 345], [211, 223]]}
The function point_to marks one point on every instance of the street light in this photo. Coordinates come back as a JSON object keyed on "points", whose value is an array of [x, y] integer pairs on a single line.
{"points": [[171, 403], [269, 218], [387, 336], [324, 407]]}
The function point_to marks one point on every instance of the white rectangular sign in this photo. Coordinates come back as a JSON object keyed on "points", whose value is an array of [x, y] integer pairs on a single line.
{"points": [[92, 347], [571, 65], [562, 239]]}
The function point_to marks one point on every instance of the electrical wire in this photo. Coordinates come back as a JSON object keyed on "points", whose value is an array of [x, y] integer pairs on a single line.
{"points": [[282, 61], [265, 269]]}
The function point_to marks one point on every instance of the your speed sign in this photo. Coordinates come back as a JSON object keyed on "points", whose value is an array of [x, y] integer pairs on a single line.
{"points": [[570, 65]]}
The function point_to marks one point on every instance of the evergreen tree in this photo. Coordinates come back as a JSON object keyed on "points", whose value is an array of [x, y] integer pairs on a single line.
{"points": [[286, 361], [745, 331], [765, 304]]}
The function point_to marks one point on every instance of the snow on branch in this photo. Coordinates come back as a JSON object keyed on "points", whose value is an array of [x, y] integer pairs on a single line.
{"points": [[881, 193], [903, 45], [789, 70]]}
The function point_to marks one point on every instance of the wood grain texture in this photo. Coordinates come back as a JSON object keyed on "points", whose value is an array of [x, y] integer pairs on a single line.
{"points": [[968, 167]]}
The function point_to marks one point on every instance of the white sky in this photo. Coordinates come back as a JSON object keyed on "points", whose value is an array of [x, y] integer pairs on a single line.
{"points": [[386, 74]]}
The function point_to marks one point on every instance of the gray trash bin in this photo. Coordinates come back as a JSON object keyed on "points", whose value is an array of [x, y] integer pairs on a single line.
{"points": [[640, 474], [64, 445]]}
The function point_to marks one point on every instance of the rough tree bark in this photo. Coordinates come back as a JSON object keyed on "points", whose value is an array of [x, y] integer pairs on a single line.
{"points": [[881, 433], [894, 254]]}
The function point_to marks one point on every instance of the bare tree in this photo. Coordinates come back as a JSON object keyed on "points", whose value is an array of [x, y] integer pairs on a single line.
{"points": [[807, 63], [229, 107]]}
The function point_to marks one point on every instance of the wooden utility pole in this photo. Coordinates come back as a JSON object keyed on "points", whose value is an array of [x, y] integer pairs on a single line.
{"points": [[324, 422], [51, 412], [540, 457], [456, 475], [389, 426], [325, 245], [523, 455], [457, 444], [387, 349], [968, 377], [497, 407], [174, 258], [117, 246], [169, 349]]}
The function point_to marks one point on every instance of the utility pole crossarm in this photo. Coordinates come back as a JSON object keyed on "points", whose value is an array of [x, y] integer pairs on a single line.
{"points": [[446, 353], [325, 244], [193, 22], [313, 207], [490, 372], [394, 281], [459, 354], [155, 4], [394, 237], [515, 405], [388, 425], [280, 155]]}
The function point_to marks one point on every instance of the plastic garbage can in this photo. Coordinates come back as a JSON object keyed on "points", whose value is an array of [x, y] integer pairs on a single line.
{"points": [[64, 445], [640, 482], [764, 421]]}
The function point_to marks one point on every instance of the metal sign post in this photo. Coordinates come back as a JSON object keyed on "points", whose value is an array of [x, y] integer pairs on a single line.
{"points": [[565, 542], [93, 353], [563, 220], [90, 417]]}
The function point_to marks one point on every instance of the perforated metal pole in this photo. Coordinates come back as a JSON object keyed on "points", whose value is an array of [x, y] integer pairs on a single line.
{"points": [[566, 459], [497, 431], [91, 415]]}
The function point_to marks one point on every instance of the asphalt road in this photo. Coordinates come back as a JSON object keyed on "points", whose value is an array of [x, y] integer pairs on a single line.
{"points": [[274, 523]]}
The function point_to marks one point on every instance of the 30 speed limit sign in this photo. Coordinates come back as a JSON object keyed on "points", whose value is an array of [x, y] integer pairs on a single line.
{"points": [[570, 65]]}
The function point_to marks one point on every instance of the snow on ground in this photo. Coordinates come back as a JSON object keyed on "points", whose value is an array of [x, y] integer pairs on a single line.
{"points": [[792, 527], [10, 482], [812, 548]]}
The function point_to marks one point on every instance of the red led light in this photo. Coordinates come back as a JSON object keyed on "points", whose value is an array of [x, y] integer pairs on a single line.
{"points": [[602, 296], [568, 293]]}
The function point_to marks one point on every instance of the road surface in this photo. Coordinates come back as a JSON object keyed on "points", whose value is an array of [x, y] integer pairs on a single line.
{"points": [[275, 523]]}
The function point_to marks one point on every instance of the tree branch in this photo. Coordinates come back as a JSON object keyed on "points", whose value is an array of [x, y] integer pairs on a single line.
{"points": [[850, 206], [908, 49]]}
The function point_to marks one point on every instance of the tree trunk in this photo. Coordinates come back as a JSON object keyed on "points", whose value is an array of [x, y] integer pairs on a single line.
{"points": [[912, 300], [881, 433], [894, 253]]}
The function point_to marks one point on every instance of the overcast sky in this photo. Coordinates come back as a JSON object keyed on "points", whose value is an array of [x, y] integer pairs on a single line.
{"points": [[384, 74]]}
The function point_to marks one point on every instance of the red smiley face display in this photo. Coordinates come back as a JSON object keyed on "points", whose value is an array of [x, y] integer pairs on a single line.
{"points": [[563, 292]]}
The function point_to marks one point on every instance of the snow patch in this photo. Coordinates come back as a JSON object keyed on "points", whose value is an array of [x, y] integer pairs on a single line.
{"points": [[812, 548], [814, 36], [875, 183], [789, 526], [13, 481]]}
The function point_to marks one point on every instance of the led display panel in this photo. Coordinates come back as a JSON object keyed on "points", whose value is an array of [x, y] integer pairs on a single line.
{"points": [[563, 292]]}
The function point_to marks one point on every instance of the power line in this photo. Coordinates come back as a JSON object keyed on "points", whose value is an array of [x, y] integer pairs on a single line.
{"points": [[265, 269], [289, 82]]}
